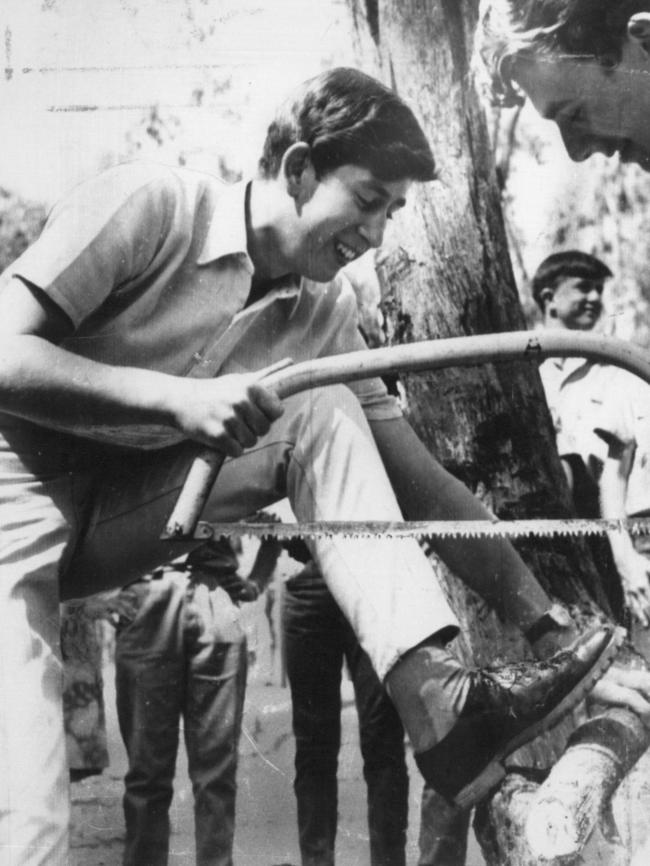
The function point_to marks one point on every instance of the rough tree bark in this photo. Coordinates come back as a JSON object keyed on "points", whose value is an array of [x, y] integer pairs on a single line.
{"points": [[447, 274]]}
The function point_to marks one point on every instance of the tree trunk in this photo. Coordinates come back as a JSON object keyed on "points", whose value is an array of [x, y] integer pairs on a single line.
{"points": [[447, 273]]}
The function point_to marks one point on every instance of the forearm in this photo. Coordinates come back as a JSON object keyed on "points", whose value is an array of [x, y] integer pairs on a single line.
{"points": [[623, 551], [613, 492], [612, 488], [44, 383], [426, 491], [632, 567]]}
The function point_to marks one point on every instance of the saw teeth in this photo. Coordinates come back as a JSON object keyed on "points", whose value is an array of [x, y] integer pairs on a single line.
{"points": [[424, 529]]}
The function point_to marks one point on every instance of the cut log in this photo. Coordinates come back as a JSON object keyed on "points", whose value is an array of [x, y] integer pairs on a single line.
{"points": [[534, 817], [569, 804], [500, 820]]}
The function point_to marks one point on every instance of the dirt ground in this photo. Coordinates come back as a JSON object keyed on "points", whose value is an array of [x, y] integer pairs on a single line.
{"points": [[266, 819]]}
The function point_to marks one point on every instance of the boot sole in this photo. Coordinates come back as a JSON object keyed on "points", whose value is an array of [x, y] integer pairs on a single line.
{"points": [[495, 770]]}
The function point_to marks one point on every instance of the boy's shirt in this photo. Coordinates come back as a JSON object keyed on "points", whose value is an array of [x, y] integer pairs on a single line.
{"points": [[576, 391], [628, 421], [592, 404], [150, 264]]}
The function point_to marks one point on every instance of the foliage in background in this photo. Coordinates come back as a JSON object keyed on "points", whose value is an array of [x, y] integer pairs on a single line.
{"points": [[20, 223]]}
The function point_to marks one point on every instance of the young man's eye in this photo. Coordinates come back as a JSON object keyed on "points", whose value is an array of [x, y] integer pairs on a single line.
{"points": [[365, 204]]}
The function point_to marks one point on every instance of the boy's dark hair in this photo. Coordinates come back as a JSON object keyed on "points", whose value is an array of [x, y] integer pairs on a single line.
{"points": [[347, 117], [511, 28], [561, 266]]}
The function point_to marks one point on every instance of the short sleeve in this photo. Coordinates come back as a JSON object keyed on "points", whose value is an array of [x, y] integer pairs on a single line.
{"points": [[103, 234]]}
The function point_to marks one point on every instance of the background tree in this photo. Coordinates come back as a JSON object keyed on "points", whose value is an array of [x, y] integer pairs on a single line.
{"points": [[449, 274], [550, 203], [21, 222]]}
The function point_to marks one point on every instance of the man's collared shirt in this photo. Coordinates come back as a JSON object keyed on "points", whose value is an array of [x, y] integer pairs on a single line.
{"points": [[150, 264]]}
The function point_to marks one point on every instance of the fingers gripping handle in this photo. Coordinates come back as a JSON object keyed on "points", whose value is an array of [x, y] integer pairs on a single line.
{"points": [[200, 479]]}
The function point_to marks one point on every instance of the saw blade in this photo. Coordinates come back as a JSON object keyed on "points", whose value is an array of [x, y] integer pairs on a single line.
{"points": [[422, 529]]}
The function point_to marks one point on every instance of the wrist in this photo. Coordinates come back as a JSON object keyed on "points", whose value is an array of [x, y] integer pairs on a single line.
{"points": [[168, 398]]}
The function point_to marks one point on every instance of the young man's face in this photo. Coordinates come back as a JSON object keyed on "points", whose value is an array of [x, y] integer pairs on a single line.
{"points": [[339, 217], [597, 109], [576, 304]]}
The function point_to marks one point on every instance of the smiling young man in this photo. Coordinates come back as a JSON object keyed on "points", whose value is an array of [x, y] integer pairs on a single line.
{"points": [[583, 63], [132, 329]]}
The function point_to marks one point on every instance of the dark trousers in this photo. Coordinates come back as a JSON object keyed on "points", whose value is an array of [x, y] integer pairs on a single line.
{"points": [[443, 831], [317, 639], [182, 657]]}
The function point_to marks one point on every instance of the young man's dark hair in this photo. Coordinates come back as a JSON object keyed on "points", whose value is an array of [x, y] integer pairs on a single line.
{"points": [[347, 117], [561, 266], [510, 28]]}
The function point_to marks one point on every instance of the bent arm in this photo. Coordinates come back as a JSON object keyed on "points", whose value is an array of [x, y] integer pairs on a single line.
{"points": [[426, 491], [46, 384]]}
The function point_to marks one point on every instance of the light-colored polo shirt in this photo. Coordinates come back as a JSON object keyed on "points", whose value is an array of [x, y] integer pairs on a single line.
{"points": [[150, 264], [576, 392]]}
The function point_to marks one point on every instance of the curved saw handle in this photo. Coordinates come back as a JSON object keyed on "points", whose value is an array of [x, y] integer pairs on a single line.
{"points": [[286, 379]]}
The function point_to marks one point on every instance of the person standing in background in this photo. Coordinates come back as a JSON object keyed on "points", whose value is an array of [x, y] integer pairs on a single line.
{"points": [[181, 655], [586, 398]]}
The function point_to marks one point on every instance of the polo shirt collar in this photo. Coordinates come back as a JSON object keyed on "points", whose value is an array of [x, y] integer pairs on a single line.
{"points": [[227, 231], [569, 366]]}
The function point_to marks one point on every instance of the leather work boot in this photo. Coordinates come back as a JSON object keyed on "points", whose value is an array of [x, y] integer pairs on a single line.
{"points": [[507, 706]]}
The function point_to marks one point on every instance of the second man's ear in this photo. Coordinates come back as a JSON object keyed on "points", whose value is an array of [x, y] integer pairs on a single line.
{"points": [[295, 163], [546, 296]]}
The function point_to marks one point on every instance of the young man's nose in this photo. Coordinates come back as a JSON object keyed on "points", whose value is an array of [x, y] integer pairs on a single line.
{"points": [[372, 229]]}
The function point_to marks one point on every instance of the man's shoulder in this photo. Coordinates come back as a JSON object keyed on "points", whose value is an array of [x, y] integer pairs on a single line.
{"points": [[615, 381], [142, 198], [161, 181]]}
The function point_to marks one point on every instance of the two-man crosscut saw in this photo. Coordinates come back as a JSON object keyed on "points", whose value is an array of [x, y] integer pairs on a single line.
{"points": [[287, 379]]}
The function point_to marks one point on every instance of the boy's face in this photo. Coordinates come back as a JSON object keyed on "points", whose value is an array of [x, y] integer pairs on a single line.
{"points": [[576, 303], [339, 217], [597, 109]]}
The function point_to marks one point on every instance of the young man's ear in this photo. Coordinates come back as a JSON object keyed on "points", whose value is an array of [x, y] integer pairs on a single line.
{"points": [[297, 170], [546, 296], [638, 29]]}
